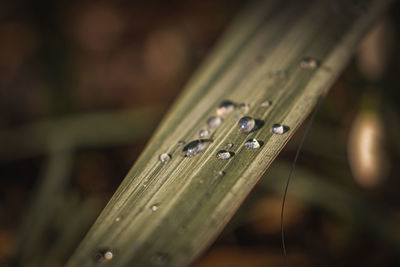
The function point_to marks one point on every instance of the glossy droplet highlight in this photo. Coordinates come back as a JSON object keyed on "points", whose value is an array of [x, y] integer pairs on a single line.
{"points": [[309, 63], [266, 104], [224, 154], [279, 128], [117, 219], [164, 157], [195, 147], [204, 133], [225, 108], [108, 255], [103, 255], [220, 173], [252, 143], [214, 122], [154, 207], [246, 124]]}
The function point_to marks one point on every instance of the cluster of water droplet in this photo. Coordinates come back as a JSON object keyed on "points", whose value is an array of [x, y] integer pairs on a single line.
{"points": [[246, 124], [194, 147]]}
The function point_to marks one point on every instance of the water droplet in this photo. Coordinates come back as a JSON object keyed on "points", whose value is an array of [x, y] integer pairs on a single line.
{"points": [[214, 122], [244, 108], [225, 108], [309, 63], [224, 154], [117, 219], [253, 143], [229, 145], [279, 129], [220, 173], [180, 143], [266, 104], [164, 157], [154, 207], [159, 259], [204, 133], [108, 255], [280, 74], [246, 124], [103, 255], [195, 147]]}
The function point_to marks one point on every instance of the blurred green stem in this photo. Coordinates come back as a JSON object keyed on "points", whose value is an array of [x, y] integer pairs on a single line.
{"points": [[40, 214], [88, 130]]}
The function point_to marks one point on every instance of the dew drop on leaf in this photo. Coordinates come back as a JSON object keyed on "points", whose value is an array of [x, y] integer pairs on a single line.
{"points": [[224, 154], [279, 129], [246, 124], [204, 133], [309, 63], [154, 207], [253, 143], [225, 108], [103, 255], [214, 122], [195, 147], [108, 255], [220, 173], [266, 104], [164, 157]]}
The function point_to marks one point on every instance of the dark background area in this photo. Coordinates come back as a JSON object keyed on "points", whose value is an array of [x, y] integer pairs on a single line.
{"points": [[63, 60]]}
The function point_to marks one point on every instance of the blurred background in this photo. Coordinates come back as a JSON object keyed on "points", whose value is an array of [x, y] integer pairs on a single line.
{"points": [[83, 84]]}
